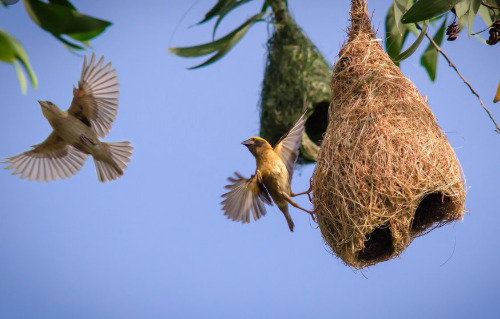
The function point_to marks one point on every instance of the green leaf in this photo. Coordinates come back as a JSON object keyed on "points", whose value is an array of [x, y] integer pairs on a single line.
{"points": [[7, 47], [463, 20], [221, 9], [427, 9], [65, 3], [399, 9], [413, 29], [430, 56], [485, 15], [414, 46], [491, 13], [221, 46], [84, 37], [477, 36], [20, 76], [218, 55], [11, 51], [6, 3], [462, 8], [67, 43], [216, 10], [394, 39], [60, 18], [474, 8], [225, 12], [202, 49]]}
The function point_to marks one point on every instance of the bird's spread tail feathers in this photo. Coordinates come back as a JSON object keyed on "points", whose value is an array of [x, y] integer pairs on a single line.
{"points": [[112, 168]]}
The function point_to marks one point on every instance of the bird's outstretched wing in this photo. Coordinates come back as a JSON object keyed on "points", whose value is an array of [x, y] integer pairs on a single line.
{"points": [[52, 159], [95, 101], [288, 146], [245, 195]]}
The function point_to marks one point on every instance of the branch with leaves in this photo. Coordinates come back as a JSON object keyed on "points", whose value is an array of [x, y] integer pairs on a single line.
{"points": [[58, 17], [438, 49], [403, 14], [403, 18], [223, 45]]}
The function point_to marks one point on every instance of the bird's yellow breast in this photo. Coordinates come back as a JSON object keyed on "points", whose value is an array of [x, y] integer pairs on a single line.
{"points": [[274, 172]]}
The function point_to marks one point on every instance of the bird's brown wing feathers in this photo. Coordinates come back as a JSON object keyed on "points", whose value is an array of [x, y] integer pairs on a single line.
{"points": [[288, 146], [52, 159], [95, 102], [245, 196]]}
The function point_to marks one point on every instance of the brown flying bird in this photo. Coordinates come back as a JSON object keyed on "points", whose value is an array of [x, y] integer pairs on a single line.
{"points": [[273, 177], [76, 131]]}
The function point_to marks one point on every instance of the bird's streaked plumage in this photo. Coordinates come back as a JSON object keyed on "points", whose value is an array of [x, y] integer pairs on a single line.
{"points": [[76, 131], [272, 178], [96, 100]]}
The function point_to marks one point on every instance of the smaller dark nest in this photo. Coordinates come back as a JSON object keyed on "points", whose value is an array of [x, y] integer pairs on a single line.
{"points": [[295, 71]]}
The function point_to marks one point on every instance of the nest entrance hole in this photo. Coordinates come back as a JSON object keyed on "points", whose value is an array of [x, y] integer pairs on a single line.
{"points": [[317, 122], [378, 244], [433, 208]]}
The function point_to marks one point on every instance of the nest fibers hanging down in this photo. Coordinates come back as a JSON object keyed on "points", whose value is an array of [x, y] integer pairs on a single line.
{"points": [[385, 172], [295, 71]]}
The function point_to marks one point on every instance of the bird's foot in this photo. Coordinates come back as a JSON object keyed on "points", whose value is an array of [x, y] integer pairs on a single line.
{"points": [[308, 192], [313, 216], [310, 212]]}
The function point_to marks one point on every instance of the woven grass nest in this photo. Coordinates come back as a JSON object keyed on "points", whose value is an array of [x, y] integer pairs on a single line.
{"points": [[295, 71], [385, 172]]}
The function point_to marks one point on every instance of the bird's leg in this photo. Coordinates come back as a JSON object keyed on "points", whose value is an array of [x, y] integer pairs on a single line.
{"points": [[294, 204], [308, 192]]}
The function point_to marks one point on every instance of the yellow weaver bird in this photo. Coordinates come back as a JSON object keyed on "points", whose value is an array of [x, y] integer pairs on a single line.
{"points": [[76, 131], [272, 177]]}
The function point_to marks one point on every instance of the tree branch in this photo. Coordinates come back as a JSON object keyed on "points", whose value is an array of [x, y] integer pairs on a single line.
{"points": [[497, 129], [280, 10], [489, 5]]}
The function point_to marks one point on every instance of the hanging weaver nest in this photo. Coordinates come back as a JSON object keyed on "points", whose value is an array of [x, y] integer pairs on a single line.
{"points": [[295, 71], [385, 172]]}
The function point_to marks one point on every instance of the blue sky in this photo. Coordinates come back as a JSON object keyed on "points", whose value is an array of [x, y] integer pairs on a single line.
{"points": [[155, 244]]}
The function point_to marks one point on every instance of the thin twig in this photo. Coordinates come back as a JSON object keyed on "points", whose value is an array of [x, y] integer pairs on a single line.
{"points": [[461, 76], [480, 31], [489, 5]]}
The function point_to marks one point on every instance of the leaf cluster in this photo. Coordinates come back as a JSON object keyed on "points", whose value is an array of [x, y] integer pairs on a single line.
{"points": [[404, 17], [223, 45], [61, 19]]}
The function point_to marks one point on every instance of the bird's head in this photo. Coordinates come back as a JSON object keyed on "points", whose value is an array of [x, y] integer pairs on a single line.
{"points": [[256, 145], [49, 109]]}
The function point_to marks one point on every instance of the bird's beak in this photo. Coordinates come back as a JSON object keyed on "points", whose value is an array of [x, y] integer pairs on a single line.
{"points": [[43, 103], [247, 143]]}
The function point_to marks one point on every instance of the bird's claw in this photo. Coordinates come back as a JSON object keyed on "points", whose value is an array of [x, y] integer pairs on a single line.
{"points": [[313, 216]]}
